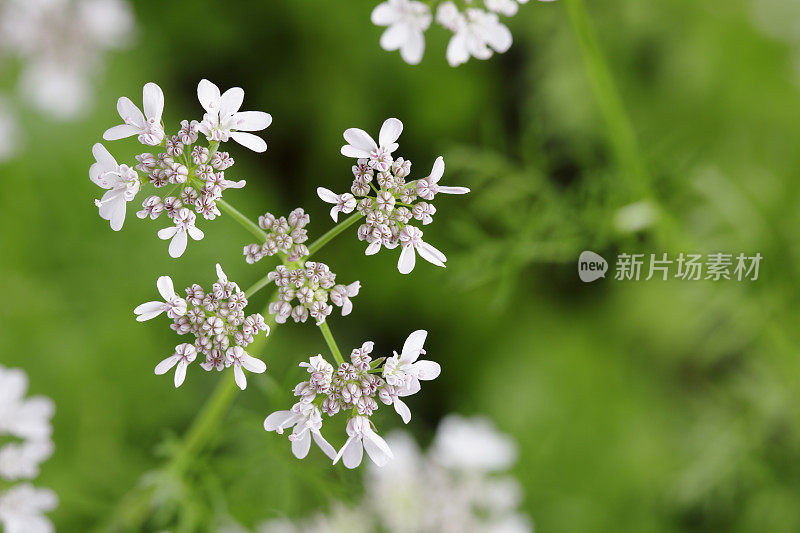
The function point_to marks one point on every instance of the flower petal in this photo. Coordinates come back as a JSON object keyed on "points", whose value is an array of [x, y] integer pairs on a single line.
{"points": [[180, 373], [327, 195], [208, 95], [254, 365], [129, 112], [301, 446], [120, 132], [402, 409], [153, 101], [178, 244], [385, 14], [279, 420], [359, 139], [437, 171], [164, 366], [351, 151], [149, 310], [239, 377], [230, 101], [414, 47], [407, 259], [431, 254], [413, 346], [427, 370], [453, 190], [106, 160], [376, 447], [352, 452], [248, 140], [390, 132], [165, 288], [323, 444], [251, 121]]}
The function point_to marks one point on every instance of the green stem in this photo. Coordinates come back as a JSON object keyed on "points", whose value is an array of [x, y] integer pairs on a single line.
{"points": [[333, 232], [239, 217], [326, 332], [132, 511], [620, 130]]}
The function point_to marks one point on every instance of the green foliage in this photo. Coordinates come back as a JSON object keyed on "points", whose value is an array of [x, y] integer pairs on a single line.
{"points": [[643, 407]]}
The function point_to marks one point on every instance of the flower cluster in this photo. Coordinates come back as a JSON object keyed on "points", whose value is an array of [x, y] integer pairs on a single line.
{"points": [[477, 30], [312, 285], [396, 201], [284, 236], [456, 485], [354, 387], [216, 319], [60, 46], [192, 175], [26, 422]]}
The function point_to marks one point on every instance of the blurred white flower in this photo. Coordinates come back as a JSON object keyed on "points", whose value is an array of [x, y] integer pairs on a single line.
{"points": [[487, 450], [60, 45], [22, 509], [478, 34], [223, 120], [407, 21], [25, 430]]}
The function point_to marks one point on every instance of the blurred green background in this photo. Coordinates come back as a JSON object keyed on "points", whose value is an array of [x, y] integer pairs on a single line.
{"points": [[638, 406]]}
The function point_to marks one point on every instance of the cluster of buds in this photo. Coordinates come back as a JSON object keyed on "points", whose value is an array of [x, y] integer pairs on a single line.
{"points": [[216, 319], [354, 388], [312, 285], [396, 201], [284, 236], [193, 174]]}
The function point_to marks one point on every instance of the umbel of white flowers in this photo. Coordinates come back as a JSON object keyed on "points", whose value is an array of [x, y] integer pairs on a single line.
{"points": [[25, 424], [477, 30], [354, 388], [193, 175], [216, 319], [389, 212]]}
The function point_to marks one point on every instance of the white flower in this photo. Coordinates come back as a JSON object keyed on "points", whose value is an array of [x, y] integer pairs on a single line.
{"points": [[344, 203], [508, 8], [405, 371], [184, 354], [236, 356], [22, 509], [477, 33], [472, 445], [184, 225], [428, 188], [389, 395], [407, 21], [341, 294], [411, 240], [21, 460], [26, 418], [307, 421], [174, 305], [121, 181], [363, 437], [223, 120], [362, 145], [147, 126]]}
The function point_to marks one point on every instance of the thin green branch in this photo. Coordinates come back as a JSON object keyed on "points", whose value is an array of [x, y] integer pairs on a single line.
{"points": [[326, 332], [239, 217], [132, 511], [620, 130], [333, 232]]}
